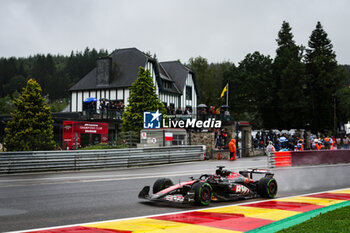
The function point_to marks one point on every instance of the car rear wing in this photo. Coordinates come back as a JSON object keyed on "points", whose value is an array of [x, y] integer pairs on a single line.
{"points": [[252, 171]]}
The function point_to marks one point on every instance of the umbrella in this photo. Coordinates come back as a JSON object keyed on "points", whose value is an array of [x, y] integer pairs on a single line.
{"points": [[90, 99], [283, 139], [103, 99], [202, 106]]}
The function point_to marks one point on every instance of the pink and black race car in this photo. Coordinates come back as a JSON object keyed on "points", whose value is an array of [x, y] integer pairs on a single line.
{"points": [[224, 185]]}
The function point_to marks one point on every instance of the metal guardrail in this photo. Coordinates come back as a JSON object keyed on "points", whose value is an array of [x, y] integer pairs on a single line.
{"points": [[39, 161]]}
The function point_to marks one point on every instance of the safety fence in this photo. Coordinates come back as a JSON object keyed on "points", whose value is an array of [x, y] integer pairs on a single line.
{"points": [[15, 162], [305, 158]]}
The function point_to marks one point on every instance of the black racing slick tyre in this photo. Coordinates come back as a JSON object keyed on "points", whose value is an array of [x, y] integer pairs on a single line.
{"points": [[161, 184], [203, 193], [267, 187]]}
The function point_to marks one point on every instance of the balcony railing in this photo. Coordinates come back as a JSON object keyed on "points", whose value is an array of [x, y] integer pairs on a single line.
{"points": [[110, 114], [114, 114]]}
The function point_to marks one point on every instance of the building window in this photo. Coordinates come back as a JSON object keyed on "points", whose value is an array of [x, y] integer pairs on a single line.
{"points": [[167, 85], [188, 93]]}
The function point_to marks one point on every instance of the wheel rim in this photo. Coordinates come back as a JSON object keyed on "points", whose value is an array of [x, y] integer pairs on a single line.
{"points": [[272, 188], [205, 195]]}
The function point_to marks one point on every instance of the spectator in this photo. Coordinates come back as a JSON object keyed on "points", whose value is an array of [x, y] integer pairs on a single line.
{"points": [[220, 139], [224, 137], [339, 142], [216, 132], [213, 110], [346, 142], [318, 145], [334, 144], [327, 143], [270, 148], [102, 107], [178, 111], [277, 145], [299, 146]]}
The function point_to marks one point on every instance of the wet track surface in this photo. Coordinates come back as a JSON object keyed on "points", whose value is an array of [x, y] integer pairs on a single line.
{"points": [[52, 199]]}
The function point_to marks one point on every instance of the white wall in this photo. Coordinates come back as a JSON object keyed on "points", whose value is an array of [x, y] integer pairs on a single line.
{"points": [[74, 102], [193, 102], [113, 94], [126, 97], [80, 101]]}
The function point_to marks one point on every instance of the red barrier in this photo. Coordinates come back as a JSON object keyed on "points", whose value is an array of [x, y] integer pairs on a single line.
{"points": [[283, 159]]}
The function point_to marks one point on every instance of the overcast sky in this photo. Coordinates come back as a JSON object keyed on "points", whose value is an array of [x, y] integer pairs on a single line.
{"points": [[219, 30]]}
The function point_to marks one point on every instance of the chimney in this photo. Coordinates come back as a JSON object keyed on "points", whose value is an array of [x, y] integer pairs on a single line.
{"points": [[103, 71]]}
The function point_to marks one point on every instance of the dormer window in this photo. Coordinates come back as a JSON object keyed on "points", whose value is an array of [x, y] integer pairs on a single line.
{"points": [[167, 85]]}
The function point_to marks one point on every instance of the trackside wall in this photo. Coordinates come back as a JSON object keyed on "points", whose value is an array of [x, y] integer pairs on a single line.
{"points": [[305, 158], [301, 158]]}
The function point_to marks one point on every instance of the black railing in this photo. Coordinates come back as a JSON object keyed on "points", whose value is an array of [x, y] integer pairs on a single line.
{"points": [[116, 114], [112, 114]]}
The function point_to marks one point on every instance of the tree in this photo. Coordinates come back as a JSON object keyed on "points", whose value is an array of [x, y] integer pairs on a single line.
{"points": [[142, 98], [16, 83], [31, 127], [6, 105], [324, 79], [200, 67], [289, 76], [210, 79], [250, 89], [344, 104]]}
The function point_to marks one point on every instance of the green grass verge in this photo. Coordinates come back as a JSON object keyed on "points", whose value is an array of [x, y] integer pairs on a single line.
{"points": [[334, 221]]}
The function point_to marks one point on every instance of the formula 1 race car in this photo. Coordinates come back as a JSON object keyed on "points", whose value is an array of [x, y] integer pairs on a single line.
{"points": [[224, 185]]}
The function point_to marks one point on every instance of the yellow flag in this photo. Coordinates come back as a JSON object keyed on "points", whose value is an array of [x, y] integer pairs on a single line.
{"points": [[223, 91]]}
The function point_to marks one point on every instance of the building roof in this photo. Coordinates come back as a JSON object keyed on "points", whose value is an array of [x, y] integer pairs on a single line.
{"points": [[125, 68], [125, 64], [179, 73]]}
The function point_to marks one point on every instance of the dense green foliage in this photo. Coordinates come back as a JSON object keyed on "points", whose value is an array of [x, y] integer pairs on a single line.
{"points": [[250, 88], [334, 221], [142, 98], [56, 74], [299, 87], [324, 79], [289, 77], [31, 127]]}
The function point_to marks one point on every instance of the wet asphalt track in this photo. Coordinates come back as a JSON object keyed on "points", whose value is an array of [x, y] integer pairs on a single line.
{"points": [[52, 199]]}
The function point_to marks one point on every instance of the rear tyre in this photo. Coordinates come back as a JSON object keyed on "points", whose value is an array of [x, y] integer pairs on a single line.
{"points": [[203, 193], [267, 187], [161, 184]]}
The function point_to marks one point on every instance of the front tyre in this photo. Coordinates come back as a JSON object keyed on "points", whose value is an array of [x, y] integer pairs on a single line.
{"points": [[161, 184], [203, 193], [267, 187]]}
